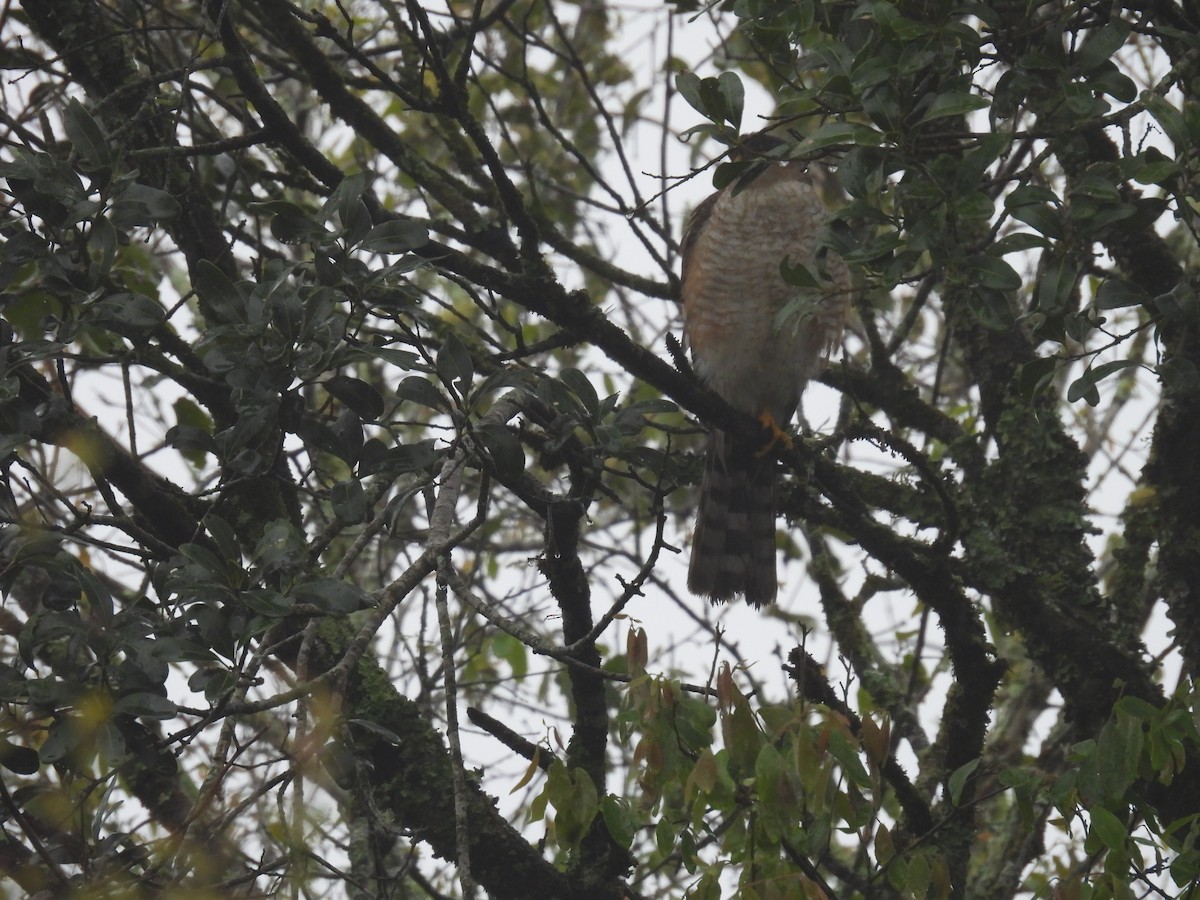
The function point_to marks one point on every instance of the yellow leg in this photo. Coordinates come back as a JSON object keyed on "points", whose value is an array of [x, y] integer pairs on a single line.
{"points": [[779, 437]]}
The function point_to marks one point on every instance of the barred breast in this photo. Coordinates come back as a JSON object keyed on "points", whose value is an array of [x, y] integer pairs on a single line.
{"points": [[733, 293]]}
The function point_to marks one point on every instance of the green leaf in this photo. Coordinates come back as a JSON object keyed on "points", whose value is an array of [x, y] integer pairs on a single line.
{"points": [[1115, 293], [619, 819], [1185, 868], [1031, 193], [631, 419], [1154, 167], [992, 272], [146, 706], [98, 595], [374, 728], [958, 780], [395, 236], [302, 229], [976, 206], [504, 448], [733, 94], [416, 457], [722, 134], [356, 224], [881, 103], [140, 204], [267, 602], [1036, 374], [705, 773], [60, 742], [1056, 284], [833, 134], [739, 173], [709, 885], [1108, 79], [420, 390], [1098, 186], [772, 790], [1168, 117], [208, 561], [316, 432], [718, 99], [694, 721], [582, 388], [331, 595], [1084, 387], [556, 394], [1101, 45], [1137, 708], [575, 802], [665, 836], [897, 874], [349, 501], [847, 755], [455, 366], [22, 760], [512, 651], [1108, 828], [218, 294], [743, 738], [918, 875], [103, 241], [193, 443], [346, 198], [1181, 304], [86, 135], [797, 275], [1042, 217], [688, 85], [954, 104], [128, 314], [1118, 755], [537, 807], [348, 430], [340, 762], [885, 848], [292, 224], [1019, 242], [356, 394]]}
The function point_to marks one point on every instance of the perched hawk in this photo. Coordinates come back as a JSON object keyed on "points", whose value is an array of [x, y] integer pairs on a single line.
{"points": [[733, 293]]}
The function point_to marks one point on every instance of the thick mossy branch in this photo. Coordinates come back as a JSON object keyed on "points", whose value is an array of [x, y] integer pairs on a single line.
{"points": [[168, 515], [1028, 544], [99, 56], [1146, 260], [1175, 476], [600, 860], [408, 770]]}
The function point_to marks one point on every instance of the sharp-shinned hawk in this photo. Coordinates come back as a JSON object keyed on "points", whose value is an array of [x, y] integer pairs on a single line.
{"points": [[733, 293]]}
